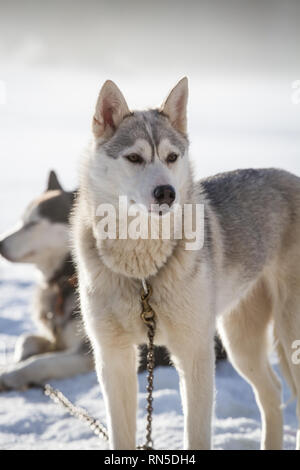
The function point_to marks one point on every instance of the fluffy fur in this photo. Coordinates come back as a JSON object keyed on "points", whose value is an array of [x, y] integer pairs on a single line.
{"points": [[245, 276]]}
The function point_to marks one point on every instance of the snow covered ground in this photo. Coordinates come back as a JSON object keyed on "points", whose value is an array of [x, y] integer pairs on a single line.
{"points": [[238, 117], [28, 420]]}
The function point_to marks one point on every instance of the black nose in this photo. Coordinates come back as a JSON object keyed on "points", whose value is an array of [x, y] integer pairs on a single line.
{"points": [[164, 194]]}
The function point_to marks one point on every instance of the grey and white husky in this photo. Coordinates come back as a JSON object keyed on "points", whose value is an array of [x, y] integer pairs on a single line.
{"points": [[42, 238], [245, 278]]}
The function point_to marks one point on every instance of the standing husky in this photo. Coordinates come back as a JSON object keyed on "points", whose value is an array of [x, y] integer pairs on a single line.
{"points": [[246, 275], [42, 239]]}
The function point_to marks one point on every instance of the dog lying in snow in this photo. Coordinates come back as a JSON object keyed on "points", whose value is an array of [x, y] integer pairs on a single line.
{"points": [[41, 238]]}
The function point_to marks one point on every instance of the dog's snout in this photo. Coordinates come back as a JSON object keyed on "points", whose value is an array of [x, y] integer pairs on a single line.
{"points": [[164, 194], [2, 249]]}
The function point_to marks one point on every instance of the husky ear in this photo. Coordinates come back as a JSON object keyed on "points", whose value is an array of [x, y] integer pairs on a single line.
{"points": [[175, 106], [53, 182], [111, 108]]}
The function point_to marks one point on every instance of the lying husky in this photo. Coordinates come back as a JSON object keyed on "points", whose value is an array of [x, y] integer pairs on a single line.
{"points": [[42, 239], [246, 274]]}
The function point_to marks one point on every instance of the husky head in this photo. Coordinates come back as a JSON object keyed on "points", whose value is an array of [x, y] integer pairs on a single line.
{"points": [[142, 154], [41, 236]]}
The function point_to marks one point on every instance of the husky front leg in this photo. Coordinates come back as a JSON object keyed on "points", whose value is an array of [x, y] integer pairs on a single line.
{"points": [[116, 365], [117, 372], [194, 358]]}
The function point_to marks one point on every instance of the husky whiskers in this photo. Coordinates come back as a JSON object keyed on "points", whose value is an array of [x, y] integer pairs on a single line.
{"points": [[245, 276], [58, 350]]}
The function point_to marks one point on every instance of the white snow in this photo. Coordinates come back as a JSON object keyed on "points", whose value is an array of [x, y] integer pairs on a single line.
{"points": [[50, 75], [29, 420]]}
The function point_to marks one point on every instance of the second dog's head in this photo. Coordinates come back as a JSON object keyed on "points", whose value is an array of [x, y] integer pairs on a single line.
{"points": [[142, 154], [41, 237]]}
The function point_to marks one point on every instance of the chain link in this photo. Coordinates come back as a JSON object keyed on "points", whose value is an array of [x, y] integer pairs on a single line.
{"points": [[148, 317], [58, 397]]}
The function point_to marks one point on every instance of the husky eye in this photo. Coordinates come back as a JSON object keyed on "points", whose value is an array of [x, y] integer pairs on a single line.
{"points": [[172, 157], [134, 158]]}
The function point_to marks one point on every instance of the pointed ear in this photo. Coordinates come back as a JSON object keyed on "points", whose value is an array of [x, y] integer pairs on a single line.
{"points": [[111, 108], [53, 182], [175, 106]]}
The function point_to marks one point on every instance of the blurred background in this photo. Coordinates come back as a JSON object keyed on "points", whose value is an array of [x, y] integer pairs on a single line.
{"points": [[242, 58]]}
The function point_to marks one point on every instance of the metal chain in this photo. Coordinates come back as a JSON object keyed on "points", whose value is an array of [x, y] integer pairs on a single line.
{"points": [[58, 397], [148, 317]]}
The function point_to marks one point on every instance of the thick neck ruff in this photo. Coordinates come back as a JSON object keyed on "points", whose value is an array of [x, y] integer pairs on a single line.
{"points": [[137, 259]]}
